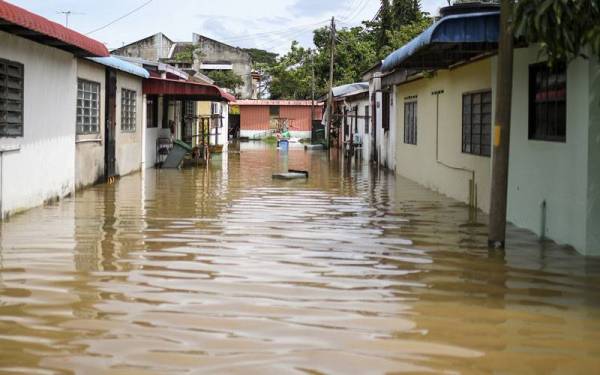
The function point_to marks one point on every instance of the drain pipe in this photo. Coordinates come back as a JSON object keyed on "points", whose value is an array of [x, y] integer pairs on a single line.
{"points": [[543, 221], [3, 150], [472, 185]]}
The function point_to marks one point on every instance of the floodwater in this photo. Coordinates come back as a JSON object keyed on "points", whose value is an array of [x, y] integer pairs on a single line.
{"points": [[223, 270]]}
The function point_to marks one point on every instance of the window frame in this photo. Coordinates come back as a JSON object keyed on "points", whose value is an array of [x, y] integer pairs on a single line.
{"points": [[20, 100], [79, 125], [128, 123], [482, 144], [413, 122], [532, 104], [152, 112], [385, 110]]}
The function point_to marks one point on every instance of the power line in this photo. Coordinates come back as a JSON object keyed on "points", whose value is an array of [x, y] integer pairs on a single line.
{"points": [[120, 18], [269, 33]]}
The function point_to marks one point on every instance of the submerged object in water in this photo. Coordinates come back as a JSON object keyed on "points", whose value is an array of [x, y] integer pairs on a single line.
{"points": [[291, 175]]}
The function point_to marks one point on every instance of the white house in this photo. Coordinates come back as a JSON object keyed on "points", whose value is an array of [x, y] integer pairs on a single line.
{"points": [[94, 99], [355, 135], [38, 92]]}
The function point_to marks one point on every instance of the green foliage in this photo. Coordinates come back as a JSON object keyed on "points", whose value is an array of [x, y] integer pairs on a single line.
{"points": [[357, 50], [260, 56], [187, 55], [398, 21], [226, 79], [566, 29]]}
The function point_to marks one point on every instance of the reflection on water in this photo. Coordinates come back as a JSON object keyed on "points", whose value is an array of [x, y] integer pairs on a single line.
{"points": [[222, 269]]}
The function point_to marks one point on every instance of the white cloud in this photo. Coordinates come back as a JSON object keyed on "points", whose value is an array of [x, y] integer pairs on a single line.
{"points": [[269, 24]]}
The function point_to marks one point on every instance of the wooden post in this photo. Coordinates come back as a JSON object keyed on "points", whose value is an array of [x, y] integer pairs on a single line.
{"points": [[501, 133], [330, 106]]}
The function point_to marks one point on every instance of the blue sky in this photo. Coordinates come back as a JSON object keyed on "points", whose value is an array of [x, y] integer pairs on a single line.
{"points": [[268, 24]]}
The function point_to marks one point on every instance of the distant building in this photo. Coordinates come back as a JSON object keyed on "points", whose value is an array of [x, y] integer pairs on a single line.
{"points": [[198, 58], [261, 118]]}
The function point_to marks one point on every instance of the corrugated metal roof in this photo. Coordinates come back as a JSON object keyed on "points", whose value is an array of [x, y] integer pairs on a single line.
{"points": [[463, 29], [191, 90], [350, 89], [28, 25], [276, 102], [121, 65]]}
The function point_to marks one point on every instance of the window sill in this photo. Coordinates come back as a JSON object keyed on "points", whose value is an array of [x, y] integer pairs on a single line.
{"points": [[128, 131], [96, 140], [10, 148]]}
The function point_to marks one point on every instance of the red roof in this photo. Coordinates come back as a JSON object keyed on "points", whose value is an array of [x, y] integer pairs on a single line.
{"points": [[18, 21], [185, 89], [277, 102]]}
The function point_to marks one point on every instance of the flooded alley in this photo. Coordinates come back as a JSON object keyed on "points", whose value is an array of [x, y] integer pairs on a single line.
{"points": [[221, 269]]}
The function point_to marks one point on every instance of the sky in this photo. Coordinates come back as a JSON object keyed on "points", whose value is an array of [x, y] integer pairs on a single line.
{"points": [[265, 24]]}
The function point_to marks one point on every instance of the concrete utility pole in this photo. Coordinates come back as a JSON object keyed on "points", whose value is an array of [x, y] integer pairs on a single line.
{"points": [[67, 14], [330, 101], [497, 225], [312, 103]]}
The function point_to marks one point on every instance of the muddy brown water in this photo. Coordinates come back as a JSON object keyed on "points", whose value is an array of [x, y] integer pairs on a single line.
{"points": [[223, 270]]}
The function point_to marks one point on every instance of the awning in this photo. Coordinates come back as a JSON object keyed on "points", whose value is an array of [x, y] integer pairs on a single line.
{"points": [[20, 22], [452, 39], [350, 89], [185, 90], [121, 65]]}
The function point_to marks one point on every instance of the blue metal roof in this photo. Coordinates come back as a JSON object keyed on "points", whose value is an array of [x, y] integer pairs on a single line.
{"points": [[465, 28], [121, 65], [350, 89]]}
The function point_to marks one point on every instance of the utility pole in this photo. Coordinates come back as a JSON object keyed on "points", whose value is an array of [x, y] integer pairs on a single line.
{"points": [[330, 104], [67, 14], [501, 147], [312, 103]]}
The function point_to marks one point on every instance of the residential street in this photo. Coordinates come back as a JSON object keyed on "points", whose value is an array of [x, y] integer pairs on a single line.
{"points": [[222, 269]]}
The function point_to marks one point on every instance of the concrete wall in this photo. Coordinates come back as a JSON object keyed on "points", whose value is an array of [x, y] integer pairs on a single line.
{"points": [[129, 144], [593, 204], [215, 52], [89, 148], [385, 140], [44, 166], [554, 172], [418, 162], [152, 48]]}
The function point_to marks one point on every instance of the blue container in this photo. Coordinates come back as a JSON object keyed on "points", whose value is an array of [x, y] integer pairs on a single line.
{"points": [[284, 145]]}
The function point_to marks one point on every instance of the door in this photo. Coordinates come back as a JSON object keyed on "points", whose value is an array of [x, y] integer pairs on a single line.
{"points": [[111, 124]]}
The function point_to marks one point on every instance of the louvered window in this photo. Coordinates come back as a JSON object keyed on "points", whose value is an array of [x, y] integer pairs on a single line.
{"points": [[11, 98]]}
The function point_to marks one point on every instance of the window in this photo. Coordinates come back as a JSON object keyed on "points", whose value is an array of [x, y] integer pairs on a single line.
{"points": [[88, 107], [367, 119], [385, 120], [274, 111], [128, 110], [152, 112], [11, 98], [410, 122], [547, 103], [477, 123]]}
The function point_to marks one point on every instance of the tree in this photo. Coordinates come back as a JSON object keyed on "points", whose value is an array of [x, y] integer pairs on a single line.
{"points": [[260, 56], [226, 79], [566, 29]]}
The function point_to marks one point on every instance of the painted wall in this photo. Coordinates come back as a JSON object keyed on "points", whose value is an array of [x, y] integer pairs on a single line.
{"points": [[255, 120], [129, 144], [593, 204], [44, 166], [419, 162], [89, 148], [151, 135], [556, 173]]}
